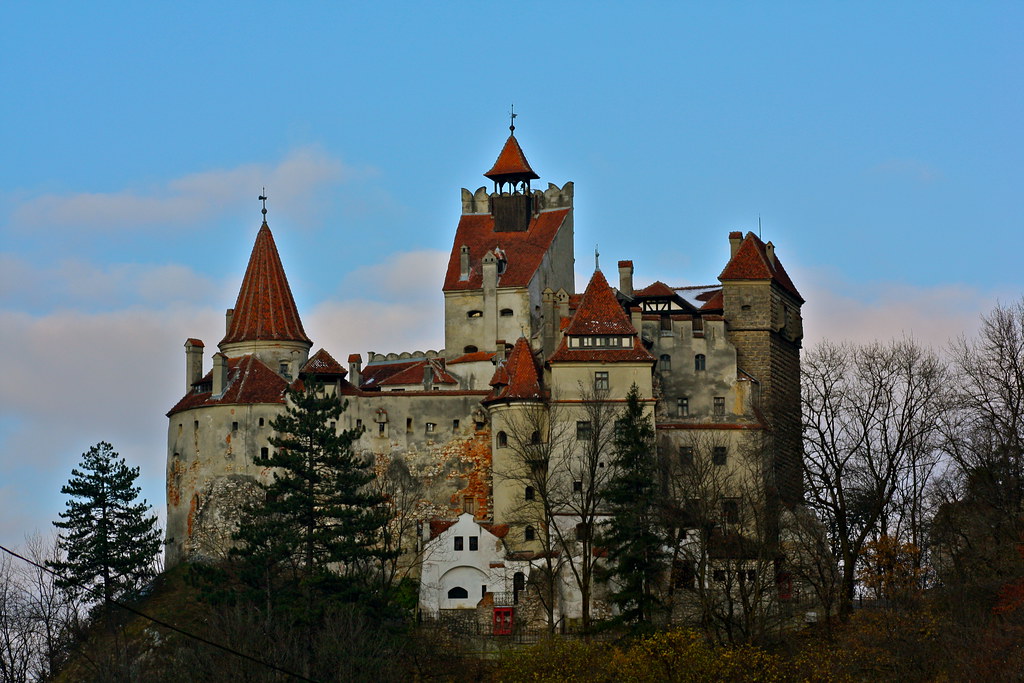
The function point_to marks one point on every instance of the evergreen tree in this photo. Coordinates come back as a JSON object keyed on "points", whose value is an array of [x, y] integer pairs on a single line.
{"points": [[109, 539], [318, 518], [634, 535]]}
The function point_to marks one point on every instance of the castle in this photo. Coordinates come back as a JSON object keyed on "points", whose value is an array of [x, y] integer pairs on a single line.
{"points": [[525, 362]]}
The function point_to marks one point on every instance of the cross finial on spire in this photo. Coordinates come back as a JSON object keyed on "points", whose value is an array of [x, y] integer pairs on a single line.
{"points": [[597, 258], [263, 198], [512, 120]]}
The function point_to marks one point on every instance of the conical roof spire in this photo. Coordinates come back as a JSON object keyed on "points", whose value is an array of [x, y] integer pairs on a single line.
{"points": [[511, 165], [265, 309]]}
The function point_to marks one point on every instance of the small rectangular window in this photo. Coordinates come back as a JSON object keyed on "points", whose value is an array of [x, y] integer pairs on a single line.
{"points": [[686, 456], [469, 504], [683, 406], [334, 425], [261, 422], [731, 511], [528, 493], [455, 425], [234, 426], [529, 534], [577, 487], [431, 427], [474, 543], [359, 424], [719, 406], [408, 424], [483, 590], [381, 426], [458, 542], [582, 532], [264, 452], [719, 455], [583, 430], [600, 380]]}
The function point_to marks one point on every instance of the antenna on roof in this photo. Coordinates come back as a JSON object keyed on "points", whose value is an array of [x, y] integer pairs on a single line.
{"points": [[512, 120], [263, 198], [597, 258], [759, 225]]}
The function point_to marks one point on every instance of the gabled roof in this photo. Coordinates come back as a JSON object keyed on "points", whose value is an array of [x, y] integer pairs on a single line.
{"points": [[525, 249], [658, 288], [517, 378], [475, 357], [599, 311], [511, 164], [751, 262], [402, 373], [265, 309], [715, 302], [249, 381], [323, 364]]}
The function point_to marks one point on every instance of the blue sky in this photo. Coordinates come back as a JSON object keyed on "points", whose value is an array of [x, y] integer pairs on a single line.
{"points": [[879, 143]]}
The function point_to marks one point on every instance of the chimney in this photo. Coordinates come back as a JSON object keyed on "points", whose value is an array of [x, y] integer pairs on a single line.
{"points": [[735, 239], [464, 263], [220, 373], [547, 311], [490, 270], [428, 376], [193, 362], [769, 250], [562, 297], [355, 369], [228, 315], [636, 317], [499, 350], [626, 277]]}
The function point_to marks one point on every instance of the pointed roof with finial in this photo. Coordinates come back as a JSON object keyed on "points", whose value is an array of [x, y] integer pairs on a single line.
{"points": [[265, 309], [516, 378], [511, 165]]}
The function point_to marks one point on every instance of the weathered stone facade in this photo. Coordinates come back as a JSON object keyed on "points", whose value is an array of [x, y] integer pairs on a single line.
{"points": [[713, 364]]}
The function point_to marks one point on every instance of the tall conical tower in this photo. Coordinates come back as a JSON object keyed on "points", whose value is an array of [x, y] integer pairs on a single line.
{"points": [[265, 321]]}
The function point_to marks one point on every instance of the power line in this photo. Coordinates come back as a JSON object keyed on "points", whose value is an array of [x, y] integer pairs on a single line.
{"points": [[160, 622]]}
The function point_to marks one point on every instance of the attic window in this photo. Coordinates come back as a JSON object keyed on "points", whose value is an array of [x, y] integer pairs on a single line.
{"points": [[474, 541], [475, 314], [457, 545], [506, 313]]}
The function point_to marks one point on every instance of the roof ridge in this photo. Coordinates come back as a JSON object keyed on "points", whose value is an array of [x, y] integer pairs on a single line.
{"points": [[599, 312]]}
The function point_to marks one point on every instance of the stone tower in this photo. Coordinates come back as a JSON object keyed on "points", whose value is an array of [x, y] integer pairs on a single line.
{"points": [[762, 313]]}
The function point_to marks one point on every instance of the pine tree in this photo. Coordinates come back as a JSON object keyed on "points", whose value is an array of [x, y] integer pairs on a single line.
{"points": [[318, 518], [109, 539], [634, 536]]}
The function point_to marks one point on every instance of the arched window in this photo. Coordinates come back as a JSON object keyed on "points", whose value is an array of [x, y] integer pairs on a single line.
{"points": [[535, 438], [469, 349], [502, 440], [665, 363], [475, 314], [529, 534], [458, 593], [699, 362], [506, 313]]}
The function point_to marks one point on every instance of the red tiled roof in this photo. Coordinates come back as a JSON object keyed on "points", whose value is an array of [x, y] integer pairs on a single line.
{"points": [[599, 311], [525, 249], [265, 308], [625, 264], [715, 302], [659, 288], [521, 381], [511, 163], [474, 357], [249, 381], [751, 263], [355, 358], [439, 526], [499, 530], [403, 372], [195, 342], [323, 364]]}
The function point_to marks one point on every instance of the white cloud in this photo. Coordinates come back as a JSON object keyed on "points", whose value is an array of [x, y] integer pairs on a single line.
{"points": [[839, 310], [78, 283], [405, 276], [293, 183]]}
